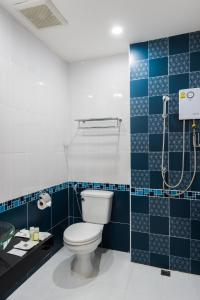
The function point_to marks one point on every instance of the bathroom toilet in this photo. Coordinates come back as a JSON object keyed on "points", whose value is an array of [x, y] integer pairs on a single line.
{"points": [[83, 238]]}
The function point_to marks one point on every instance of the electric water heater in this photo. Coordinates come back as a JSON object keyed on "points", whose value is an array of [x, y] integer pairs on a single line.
{"points": [[189, 104]]}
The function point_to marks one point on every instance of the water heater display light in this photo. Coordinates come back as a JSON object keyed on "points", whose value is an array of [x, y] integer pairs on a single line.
{"points": [[189, 104]]}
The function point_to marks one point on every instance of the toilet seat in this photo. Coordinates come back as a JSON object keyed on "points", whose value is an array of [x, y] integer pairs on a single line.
{"points": [[82, 233]]}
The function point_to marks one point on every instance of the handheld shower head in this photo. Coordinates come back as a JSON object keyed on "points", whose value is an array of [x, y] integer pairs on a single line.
{"points": [[166, 98]]}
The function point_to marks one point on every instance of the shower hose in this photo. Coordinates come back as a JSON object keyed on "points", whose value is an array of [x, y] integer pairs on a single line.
{"points": [[163, 168]]}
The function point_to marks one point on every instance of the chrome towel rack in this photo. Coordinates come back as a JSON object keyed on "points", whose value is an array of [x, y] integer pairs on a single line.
{"points": [[95, 123]]}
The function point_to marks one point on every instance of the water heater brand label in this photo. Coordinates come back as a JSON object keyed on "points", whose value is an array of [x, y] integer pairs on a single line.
{"points": [[182, 95], [189, 104]]}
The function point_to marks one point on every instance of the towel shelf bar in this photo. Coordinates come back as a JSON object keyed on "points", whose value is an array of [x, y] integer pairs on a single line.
{"points": [[115, 123]]}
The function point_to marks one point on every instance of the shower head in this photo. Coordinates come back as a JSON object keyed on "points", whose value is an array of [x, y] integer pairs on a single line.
{"points": [[166, 98]]}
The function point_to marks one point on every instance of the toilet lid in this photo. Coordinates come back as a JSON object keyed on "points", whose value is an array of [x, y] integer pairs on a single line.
{"points": [[81, 233]]}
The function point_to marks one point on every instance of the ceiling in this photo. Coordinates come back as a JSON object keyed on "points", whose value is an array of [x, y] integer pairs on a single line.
{"points": [[88, 35]]}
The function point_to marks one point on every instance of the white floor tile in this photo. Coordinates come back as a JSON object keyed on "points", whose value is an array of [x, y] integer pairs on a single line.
{"points": [[181, 286], [118, 279], [144, 283]]}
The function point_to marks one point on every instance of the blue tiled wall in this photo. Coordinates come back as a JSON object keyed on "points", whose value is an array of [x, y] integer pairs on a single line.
{"points": [[165, 229]]}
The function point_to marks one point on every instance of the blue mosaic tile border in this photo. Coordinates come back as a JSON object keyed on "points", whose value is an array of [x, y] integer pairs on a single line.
{"points": [[53, 189], [31, 197], [103, 186], [190, 195]]}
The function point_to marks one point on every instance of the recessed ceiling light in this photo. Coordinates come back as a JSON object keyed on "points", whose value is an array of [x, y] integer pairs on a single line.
{"points": [[117, 30]]}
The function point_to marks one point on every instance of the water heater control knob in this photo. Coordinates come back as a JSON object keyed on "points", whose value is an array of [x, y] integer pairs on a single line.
{"points": [[190, 94]]}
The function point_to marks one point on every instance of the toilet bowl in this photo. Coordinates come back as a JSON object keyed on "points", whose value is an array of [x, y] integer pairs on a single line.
{"points": [[82, 239]]}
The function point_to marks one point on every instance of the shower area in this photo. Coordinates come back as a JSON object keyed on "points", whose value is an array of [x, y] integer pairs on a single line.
{"points": [[165, 161]]}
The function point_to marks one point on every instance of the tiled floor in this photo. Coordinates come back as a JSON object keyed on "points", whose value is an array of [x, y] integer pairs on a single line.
{"points": [[118, 279]]}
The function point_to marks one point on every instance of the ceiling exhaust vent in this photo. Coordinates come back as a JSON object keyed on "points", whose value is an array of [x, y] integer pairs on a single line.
{"points": [[41, 14]]}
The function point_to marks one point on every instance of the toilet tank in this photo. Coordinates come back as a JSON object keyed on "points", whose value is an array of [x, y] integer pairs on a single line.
{"points": [[96, 206]]}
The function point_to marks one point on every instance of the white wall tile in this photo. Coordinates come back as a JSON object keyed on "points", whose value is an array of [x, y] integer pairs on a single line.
{"points": [[33, 112], [40, 96], [100, 156]]}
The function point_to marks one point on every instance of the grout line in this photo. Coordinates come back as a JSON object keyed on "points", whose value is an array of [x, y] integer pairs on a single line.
{"points": [[59, 222], [27, 219], [119, 223], [51, 214]]}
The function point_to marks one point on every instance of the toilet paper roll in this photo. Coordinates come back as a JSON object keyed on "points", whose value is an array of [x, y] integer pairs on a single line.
{"points": [[44, 201]]}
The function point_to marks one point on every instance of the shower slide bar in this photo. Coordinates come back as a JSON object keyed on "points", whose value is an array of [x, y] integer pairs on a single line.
{"points": [[116, 123]]}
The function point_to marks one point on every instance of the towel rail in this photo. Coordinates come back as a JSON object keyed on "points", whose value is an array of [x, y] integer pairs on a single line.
{"points": [[116, 123]]}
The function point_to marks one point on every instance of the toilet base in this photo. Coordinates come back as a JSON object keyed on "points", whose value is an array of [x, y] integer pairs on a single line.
{"points": [[86, 261], [84, 265]]}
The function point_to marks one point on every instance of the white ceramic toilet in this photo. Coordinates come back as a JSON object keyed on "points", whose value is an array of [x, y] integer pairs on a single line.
{"points": [[83, 238]]}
